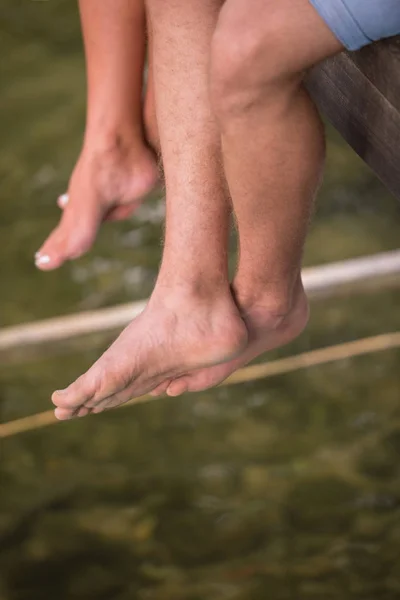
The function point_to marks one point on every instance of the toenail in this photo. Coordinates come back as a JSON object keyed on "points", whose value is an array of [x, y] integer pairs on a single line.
{"points": [[60, 392], [63, 199], [174, 394], [63, 417], [42, 260]]}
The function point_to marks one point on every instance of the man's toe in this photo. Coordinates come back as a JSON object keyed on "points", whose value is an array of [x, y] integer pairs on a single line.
{"points": [[76, 395], [160, 389], [178, 387], [64, 414]]}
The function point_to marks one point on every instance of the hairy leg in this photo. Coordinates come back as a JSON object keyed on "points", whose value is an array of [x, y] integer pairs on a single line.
{"points": [[273, 149], [116, 168], [191, 319]]}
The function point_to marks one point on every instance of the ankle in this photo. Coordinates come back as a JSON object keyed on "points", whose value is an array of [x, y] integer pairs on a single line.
{"points": [[278, 300], [224, 332], [177, 289], [116, 140]]}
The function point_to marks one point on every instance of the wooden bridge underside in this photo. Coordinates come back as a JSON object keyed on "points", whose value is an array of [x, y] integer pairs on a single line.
{"points": [[359, 93]]}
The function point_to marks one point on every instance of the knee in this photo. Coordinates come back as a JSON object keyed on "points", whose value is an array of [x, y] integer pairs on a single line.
{"points": [[249, 60]]}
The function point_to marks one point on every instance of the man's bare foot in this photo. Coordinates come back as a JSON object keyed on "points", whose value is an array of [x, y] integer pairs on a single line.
{"points": [[175, 334], [107, 184], [266, 331]]}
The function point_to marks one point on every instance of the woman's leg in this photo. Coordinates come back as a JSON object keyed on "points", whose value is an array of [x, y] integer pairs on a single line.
{"points": [[116, 168]]}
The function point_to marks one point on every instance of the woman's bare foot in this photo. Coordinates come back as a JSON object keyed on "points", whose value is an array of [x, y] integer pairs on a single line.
{"points": [[267, 331], [176, 334], [108, 183]]}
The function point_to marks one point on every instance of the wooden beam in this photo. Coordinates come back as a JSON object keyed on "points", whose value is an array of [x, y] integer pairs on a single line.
{"points": [[359, 93]]}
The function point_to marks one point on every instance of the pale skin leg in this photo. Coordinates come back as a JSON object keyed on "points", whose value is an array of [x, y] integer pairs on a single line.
{"points": [[116, 168], [273, 149], [191, 319]]}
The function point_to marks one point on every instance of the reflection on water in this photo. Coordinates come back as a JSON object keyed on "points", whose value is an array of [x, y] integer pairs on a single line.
{"points": [[284, 489]]}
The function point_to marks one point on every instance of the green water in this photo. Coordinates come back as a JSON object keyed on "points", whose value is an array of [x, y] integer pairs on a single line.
{"points": [[285, 489]]}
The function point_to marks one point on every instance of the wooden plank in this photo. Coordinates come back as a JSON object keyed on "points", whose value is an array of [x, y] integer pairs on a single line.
{"points": [[359, 93], [381, 64]]}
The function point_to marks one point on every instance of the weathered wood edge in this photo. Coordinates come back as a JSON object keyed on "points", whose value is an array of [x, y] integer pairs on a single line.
{"points": [[359, 93]]}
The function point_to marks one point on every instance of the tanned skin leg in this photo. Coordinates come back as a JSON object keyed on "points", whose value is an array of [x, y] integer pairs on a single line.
{"points": [[116, 168]]}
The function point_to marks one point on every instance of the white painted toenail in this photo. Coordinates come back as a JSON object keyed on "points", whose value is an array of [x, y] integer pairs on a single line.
{"points": [[42, 260], [64, 199]]}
